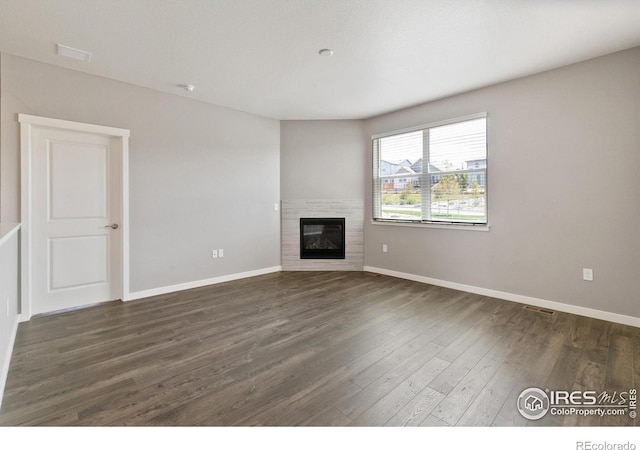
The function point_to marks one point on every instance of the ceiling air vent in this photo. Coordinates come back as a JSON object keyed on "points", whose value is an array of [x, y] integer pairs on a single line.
{"points": [[73, 53]]}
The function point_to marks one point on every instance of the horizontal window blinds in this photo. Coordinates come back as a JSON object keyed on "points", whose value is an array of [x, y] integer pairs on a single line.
{"points": [[434, 173]]}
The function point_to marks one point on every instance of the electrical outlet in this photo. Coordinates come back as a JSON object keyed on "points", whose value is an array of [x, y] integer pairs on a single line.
{"points": [[220, 253], [7, 307], [384, 248], [587, 274], [275, 206], [214, 254]]}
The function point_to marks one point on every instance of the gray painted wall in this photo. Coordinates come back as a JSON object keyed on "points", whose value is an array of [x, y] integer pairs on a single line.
{"points": [[323, 159], [201, 176], [564, 155], [8, 302]]}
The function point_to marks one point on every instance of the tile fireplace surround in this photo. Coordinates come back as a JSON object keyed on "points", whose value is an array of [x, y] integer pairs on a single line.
{"points": [[351, 210]]}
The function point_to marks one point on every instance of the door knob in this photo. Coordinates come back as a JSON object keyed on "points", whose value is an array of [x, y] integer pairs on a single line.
{"points": [[113, 227]]}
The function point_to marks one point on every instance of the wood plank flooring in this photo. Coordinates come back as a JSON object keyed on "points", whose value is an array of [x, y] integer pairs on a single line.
{"points": [[311, 349]]}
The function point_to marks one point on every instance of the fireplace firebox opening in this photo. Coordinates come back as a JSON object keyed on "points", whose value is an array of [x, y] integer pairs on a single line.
{"points": [[322, 238]]}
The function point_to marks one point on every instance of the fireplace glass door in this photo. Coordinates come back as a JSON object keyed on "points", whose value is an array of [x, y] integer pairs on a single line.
{"points": [[322, 238]]}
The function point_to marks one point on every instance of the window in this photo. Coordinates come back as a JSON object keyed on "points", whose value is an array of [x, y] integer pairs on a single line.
{"points": [[432, 174]]}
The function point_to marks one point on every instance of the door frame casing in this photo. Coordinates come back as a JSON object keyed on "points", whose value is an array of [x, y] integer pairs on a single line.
{"points": [[27, 124]]}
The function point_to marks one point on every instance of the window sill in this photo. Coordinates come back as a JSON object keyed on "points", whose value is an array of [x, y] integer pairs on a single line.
{"points": [[432, 225]]}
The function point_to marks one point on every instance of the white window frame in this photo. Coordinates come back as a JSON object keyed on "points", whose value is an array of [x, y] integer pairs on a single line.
{"points": [[425, 180]]}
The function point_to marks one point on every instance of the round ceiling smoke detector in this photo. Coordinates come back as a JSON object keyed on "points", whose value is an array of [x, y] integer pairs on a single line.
{"points": [[326, 52], [187, 87]]}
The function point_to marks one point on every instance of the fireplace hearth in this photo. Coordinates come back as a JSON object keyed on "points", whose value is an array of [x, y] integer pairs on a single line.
{"points": [[322, 238]]}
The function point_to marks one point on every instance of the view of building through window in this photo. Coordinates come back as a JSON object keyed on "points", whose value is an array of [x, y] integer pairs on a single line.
{"points": [[436, 174]]}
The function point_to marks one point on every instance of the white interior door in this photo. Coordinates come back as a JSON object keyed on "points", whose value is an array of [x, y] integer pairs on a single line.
{"points": [[76, 240]]}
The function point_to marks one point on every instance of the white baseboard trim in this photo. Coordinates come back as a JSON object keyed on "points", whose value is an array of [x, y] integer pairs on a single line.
{"points": [[547, 304], [195, 284], [4, 370]]}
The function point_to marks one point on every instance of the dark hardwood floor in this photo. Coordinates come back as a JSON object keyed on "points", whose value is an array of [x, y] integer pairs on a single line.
{"points": [[313, 349]]}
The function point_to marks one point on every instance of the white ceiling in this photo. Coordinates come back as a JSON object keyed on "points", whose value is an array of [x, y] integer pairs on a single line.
{"points": [[261, 56]]}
